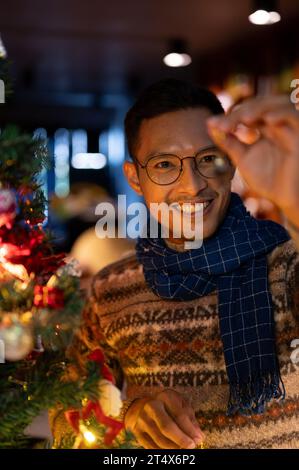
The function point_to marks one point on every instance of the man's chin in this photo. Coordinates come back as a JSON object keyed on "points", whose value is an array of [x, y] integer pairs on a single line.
{"points": [[209, 232]]}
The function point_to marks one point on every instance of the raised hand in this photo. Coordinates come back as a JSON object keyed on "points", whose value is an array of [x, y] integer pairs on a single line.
{"points": [[270, 165]]}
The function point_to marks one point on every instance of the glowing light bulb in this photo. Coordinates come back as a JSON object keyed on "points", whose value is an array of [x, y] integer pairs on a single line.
{"points": [[262, 17], [175, 59], [89, 437], [3, 253]]}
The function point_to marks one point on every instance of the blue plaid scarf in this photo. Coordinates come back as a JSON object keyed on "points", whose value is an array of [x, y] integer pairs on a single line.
{"points": [[234, 262]]}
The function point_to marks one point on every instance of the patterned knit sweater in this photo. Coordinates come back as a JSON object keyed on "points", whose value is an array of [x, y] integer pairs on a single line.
{"points": [[158, 344]]}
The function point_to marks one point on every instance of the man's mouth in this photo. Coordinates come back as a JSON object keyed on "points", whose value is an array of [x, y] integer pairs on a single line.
{"points": [[192, 207]]}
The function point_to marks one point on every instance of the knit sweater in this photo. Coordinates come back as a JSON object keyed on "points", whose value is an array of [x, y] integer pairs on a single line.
{"points": [[157, 344]]}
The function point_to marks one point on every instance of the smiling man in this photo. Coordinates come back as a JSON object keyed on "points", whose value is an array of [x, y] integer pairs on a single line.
{"points": [[177, 163], [202, 337]]}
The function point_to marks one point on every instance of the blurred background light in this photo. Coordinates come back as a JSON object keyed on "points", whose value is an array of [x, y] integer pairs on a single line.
{"points": [[177, 55], [3, 53], [264, 12], [89, 161], [116, 146], [61, 160]]}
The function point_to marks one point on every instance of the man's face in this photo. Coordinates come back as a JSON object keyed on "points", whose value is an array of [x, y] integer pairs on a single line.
{"points": [[182, 133]]}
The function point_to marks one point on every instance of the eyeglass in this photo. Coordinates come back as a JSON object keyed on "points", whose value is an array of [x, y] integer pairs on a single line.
{"points": [[165, 169]]}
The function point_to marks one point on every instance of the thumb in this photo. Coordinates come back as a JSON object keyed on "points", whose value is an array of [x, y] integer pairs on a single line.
{"points": [[228, 143]]}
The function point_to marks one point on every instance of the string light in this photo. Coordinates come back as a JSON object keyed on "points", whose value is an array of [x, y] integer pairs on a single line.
{"points": [[87, 435]]}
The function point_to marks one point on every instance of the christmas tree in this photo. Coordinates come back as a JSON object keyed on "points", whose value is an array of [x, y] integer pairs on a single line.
{"points": [[40, 308]]}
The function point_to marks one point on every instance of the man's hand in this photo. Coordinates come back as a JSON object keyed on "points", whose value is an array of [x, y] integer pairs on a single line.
{"points": [[165, 421], [270, 165]]}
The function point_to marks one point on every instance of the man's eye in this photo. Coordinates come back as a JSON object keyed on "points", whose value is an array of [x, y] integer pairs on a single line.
{"points": [[163, 164], [208, 159]]}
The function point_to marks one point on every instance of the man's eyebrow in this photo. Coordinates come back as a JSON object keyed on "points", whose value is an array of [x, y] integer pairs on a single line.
{"points": [[161, 153]]}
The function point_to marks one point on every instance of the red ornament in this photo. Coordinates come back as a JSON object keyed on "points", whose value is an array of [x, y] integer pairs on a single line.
{"points": [[73, 416], [98, 356], [31, 249], [51, 297], [113, 426]]}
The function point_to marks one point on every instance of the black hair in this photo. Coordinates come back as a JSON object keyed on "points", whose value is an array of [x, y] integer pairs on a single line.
{"points": [[166, 96]]}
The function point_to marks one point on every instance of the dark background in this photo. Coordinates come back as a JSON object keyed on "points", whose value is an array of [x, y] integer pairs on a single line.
{"points": [[80, 64]]}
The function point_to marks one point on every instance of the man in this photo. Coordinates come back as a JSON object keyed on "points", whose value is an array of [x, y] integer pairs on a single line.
{"points": [[203, 337]]}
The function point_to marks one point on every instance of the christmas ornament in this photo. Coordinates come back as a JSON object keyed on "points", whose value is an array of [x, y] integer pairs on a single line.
{"points": [[75, 417], [71, 268], [17, 339], [8, 207], [110, 398], [51, 297]]}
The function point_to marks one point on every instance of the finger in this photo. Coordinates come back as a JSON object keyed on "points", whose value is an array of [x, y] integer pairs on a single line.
{"points": [[283, 116], [264, 101], [229, 143], [195, 422], [181, 412], [247, 135], [145, 440], [190, 427], [281, 136], [167, 426], [256, 109], [249, 112], [189, 415], [158, 437]]}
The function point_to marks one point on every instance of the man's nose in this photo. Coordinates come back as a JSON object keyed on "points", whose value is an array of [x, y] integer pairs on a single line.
{"points": [[190, 180]]}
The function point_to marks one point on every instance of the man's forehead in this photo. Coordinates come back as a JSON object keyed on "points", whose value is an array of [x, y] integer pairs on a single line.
{"points": [[179, 131]]}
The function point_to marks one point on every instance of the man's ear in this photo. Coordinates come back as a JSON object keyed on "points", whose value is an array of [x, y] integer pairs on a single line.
{"points": [[130, 172]]}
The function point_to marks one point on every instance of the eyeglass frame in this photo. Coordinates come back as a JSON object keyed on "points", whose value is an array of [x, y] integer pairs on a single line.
{"points": [[211, 147]]}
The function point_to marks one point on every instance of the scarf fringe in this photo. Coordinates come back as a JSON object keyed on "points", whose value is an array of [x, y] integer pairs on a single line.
{"points": [[251, 397]]}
